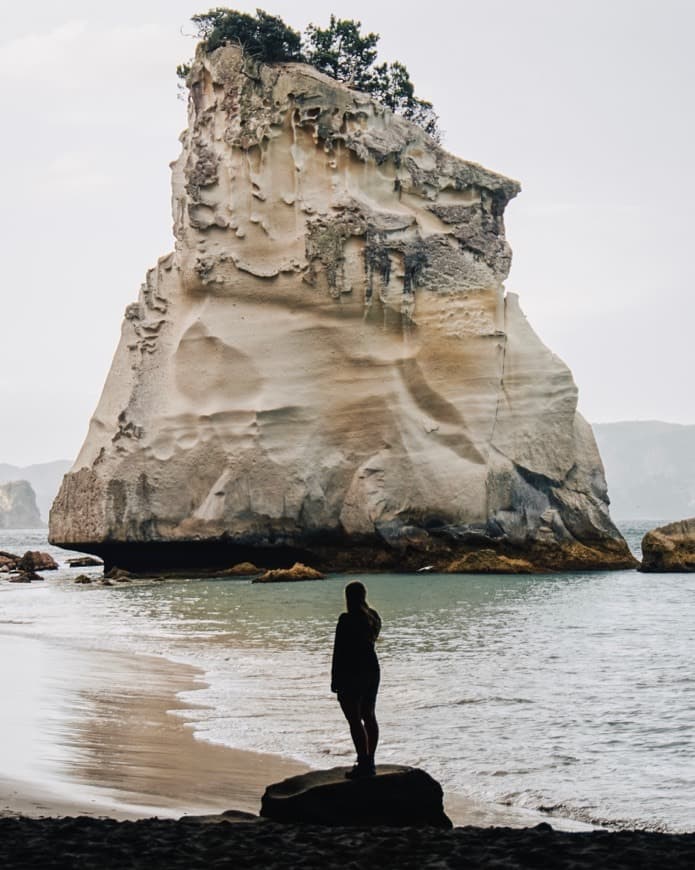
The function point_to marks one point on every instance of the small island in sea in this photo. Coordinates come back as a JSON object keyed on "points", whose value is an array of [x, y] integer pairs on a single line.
{"points": [[18, 508], [328, 371]]}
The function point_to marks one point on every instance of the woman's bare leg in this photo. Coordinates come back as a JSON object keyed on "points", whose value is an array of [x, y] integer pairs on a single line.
{"points": [[351, 711], [371, 728]]}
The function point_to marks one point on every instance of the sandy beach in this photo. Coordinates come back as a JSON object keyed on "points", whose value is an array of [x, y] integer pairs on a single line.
{"points": [[96, 733], [100, 767]]}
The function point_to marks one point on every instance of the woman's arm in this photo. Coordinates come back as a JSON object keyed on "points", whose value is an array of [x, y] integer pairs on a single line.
{"points": [[338, 663]]}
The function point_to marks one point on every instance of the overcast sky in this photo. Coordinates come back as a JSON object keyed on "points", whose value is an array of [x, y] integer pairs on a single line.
{"points": [[588, 103]]}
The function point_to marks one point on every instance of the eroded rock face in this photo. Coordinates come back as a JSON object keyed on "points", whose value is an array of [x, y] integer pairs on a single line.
{"points": [[670, 548], [327, 368]]}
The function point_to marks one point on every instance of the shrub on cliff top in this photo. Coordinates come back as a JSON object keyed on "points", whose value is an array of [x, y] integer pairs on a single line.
{"points": [[265, 37], [342, 52], [339, 50]]}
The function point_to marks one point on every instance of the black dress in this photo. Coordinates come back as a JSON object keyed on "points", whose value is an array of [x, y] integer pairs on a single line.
{"points": [[355, 669]]}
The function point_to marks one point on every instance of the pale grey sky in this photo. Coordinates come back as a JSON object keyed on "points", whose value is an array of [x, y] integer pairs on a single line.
{"points": [[587, 102]]}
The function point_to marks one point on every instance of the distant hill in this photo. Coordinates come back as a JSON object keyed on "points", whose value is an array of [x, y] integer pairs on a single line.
{"points": [[650, 469], [45, 480]]}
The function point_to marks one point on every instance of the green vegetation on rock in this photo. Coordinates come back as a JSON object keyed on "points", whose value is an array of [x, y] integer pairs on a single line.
{"points": [[266, 37], [339, 50]]}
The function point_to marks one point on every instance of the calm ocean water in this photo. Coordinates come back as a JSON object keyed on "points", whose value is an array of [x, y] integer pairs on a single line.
{"points": [[571, 693]]}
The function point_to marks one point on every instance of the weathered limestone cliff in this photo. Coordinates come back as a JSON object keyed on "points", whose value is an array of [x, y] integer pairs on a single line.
{"points": [[327, 367]]}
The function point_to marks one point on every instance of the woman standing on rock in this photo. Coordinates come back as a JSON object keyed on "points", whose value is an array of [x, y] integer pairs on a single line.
{"points": [[355, 674]]}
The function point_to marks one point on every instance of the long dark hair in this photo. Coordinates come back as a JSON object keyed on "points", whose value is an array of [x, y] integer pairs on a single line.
{"points": [[356, 603]]}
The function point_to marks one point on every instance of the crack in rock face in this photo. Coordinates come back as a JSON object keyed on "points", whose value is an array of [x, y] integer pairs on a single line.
{"points": [[327, 368]]}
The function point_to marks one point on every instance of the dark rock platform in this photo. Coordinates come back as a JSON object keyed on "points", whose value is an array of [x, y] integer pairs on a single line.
{"points": [[397, 796]]}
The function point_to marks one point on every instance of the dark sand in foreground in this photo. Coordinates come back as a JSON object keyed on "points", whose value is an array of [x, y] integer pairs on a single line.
{"points": [[164, 843]]}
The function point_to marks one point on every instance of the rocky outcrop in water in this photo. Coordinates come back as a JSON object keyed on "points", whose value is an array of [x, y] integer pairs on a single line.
{"points": [[18, 508], [84, 562], [290, 575], [35, 560], [327, 368], [23, 569], [670, 548]]}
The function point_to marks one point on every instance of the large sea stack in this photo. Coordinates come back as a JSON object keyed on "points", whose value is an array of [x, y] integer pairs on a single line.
{"points": [[327, 368]]}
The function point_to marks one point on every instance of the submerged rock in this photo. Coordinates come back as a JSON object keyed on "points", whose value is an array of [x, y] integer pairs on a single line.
{"points": [[118, 574], [327, 368], [8, 561], [25, 577], [244, 569], [489, 562], [27, 565], [670, 548], [296, 572], [398, 796], [84, 562]]}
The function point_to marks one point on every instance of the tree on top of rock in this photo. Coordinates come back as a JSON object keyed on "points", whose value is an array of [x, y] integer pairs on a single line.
{"points": [[263, 36], [342, 52], [391, 85], [339, 50]]}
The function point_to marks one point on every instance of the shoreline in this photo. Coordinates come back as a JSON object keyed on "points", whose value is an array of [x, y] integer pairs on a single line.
{"points": [[98, 734], [105, 734]]}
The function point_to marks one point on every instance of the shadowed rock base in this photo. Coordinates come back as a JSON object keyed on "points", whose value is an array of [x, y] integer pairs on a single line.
{"points": [[326, 555], [397, 795]]}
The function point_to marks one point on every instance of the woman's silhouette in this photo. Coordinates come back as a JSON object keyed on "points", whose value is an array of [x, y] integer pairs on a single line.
{"points": [[355, 674]]}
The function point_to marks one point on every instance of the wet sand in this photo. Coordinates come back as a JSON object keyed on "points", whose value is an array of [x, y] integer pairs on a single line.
{"points": [[94, 733], [90, 732]]}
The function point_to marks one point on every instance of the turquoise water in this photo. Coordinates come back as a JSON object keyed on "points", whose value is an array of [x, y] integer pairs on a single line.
{"points": [[569, 693]]}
